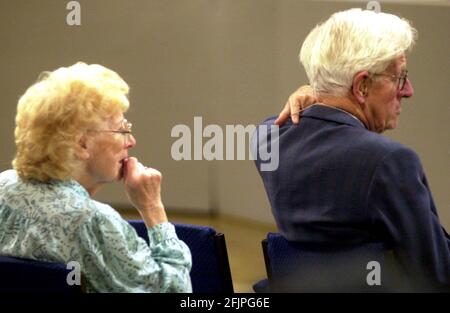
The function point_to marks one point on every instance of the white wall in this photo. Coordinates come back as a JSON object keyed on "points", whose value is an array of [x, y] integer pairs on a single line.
{"points": [[231, 62]]}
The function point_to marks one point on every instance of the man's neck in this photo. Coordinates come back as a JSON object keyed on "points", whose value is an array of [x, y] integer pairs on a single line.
{"points": [[347, 105]]}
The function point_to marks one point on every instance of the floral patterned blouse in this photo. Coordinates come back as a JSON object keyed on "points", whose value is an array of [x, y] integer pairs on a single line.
{"points": [[59, 222]]}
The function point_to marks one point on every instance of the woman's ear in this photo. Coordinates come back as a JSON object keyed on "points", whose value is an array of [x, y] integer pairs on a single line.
{"points": [[360, 86], [82, 148]]}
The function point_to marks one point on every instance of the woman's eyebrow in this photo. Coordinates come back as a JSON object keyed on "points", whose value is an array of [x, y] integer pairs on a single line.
{"points": [[119, 124]]}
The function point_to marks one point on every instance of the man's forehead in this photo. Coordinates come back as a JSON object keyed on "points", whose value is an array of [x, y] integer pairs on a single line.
{"points": [[399, 65], [401, 62]]}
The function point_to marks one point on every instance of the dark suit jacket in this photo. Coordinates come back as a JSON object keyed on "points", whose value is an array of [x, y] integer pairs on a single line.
{"points": [[338, 183]]}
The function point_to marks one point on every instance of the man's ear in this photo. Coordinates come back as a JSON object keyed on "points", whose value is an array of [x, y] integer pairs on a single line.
{"points": [[82, 148], [360, 88]]}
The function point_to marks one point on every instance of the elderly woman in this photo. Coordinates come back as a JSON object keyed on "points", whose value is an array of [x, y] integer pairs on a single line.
{"points": [[71, 139], [339, 181]]}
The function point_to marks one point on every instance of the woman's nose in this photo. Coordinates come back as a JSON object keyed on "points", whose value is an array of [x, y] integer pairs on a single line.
{"points": [[130, 141]]}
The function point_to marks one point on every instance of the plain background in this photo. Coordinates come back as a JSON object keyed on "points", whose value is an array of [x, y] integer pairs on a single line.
{"points": [[228, 61]]}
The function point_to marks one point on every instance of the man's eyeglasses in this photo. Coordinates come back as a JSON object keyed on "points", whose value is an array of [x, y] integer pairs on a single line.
{"points": [[401, 78], [125, 130]]}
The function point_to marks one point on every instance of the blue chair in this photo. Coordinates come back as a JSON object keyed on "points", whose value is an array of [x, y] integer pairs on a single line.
{"points": [[210, 266], [301, 267], [25, 275]]}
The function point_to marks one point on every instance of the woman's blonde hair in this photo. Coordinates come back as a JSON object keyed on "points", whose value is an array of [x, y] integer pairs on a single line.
{"points": [[352, 41], [56, 111]]}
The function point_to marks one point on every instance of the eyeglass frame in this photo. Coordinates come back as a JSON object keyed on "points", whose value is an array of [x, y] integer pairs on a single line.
{"points": [[126, 132], [403, 76]]}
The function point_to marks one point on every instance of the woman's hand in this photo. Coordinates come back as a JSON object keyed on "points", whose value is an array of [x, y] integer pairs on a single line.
{"points": [[143, 188], [302, 98]]}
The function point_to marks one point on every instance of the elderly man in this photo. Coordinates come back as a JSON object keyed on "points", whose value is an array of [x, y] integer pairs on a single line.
{"points": [[339, 181]]}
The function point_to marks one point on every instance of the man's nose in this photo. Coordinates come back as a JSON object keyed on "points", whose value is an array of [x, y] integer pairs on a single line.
{"points": [[407, 90]]}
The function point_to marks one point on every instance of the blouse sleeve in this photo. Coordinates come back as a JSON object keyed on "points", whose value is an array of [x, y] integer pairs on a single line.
{"points": [[114, 259]]}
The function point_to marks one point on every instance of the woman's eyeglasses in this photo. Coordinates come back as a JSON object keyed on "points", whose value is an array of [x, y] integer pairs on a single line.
{"points": [[125, 130]]}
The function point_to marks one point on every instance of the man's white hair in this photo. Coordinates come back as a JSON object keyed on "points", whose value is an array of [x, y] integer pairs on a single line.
{"points": [[350, 42]]}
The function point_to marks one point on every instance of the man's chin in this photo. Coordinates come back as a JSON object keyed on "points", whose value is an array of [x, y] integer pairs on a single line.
{"points": [[393, 124]]}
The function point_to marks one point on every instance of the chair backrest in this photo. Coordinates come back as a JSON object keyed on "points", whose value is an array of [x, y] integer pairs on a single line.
{"points": [[210, 266], [25, 275], [300, 267]]}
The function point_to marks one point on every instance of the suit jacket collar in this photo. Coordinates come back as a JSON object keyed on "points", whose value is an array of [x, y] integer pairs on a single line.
{"points": [[332, 114]]}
